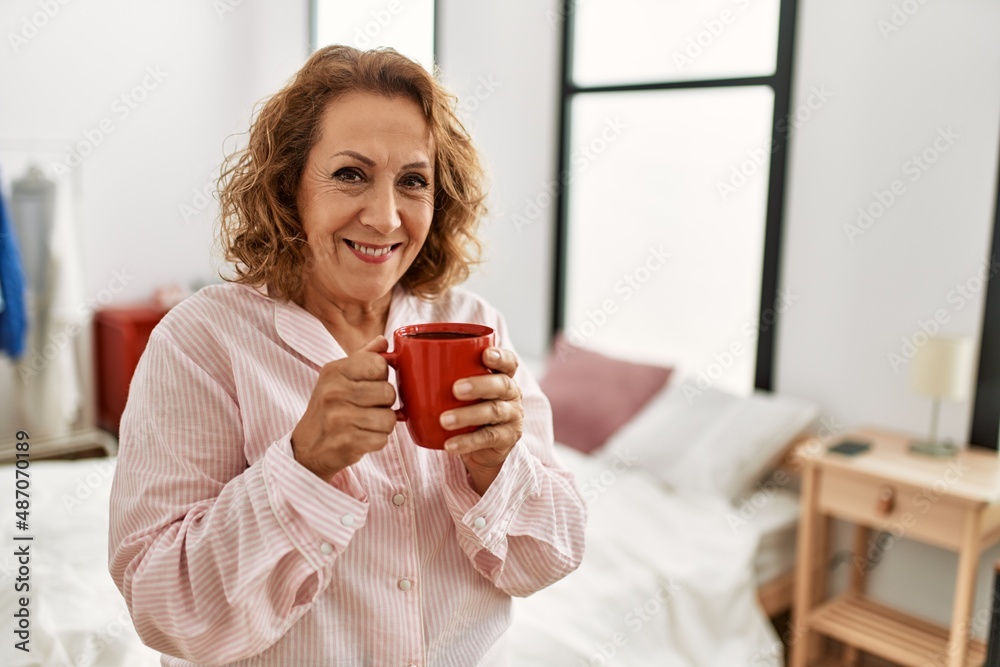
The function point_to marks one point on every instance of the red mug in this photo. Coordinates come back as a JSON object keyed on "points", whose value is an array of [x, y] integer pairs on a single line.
{"points": [[429, 359]]}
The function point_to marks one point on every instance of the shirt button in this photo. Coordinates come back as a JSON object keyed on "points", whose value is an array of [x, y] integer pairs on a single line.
{"points": [[347, 519], [398, 499], [480, 522], [405, 585], [326, 548]]}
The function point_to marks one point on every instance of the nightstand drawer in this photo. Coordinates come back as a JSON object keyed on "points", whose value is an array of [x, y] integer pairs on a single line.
{"points": [[906, 511]]}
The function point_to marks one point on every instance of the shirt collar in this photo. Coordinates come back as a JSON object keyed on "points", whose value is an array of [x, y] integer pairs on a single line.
{"points": [[307, 335]]}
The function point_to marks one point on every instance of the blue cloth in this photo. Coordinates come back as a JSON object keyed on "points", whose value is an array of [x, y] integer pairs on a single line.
{"points": [[13, 316]]}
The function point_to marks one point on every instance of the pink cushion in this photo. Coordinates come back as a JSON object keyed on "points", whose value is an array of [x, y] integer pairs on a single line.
{"points": [[593, 395]]}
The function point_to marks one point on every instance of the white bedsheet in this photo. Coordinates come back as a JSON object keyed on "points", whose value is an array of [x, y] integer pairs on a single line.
{"points": [[777, 522], [666, 581], [78, 617]]}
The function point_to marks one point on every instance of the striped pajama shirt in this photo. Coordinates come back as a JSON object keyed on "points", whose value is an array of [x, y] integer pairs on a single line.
{"points": [[228, 551]]}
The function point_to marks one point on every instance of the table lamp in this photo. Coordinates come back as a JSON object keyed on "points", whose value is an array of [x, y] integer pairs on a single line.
{"points": [[942, 369]]}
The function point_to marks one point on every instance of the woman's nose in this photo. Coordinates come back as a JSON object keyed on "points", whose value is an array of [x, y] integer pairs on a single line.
{"points": [[380, 212]]}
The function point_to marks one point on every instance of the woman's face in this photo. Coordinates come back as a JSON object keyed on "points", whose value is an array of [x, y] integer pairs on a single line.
{"points": [[366, 198]]}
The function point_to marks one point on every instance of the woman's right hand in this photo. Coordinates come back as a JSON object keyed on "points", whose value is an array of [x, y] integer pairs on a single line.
{"points": [[349, 412]]}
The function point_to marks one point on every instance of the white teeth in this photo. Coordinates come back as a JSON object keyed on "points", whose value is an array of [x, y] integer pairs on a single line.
{"points": [[368, 250]]}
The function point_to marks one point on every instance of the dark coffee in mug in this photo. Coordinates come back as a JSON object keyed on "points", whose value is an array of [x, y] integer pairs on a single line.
{"points": [[442, 335]]}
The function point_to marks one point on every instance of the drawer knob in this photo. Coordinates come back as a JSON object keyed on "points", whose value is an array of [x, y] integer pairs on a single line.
{"points": [[886, 500]]}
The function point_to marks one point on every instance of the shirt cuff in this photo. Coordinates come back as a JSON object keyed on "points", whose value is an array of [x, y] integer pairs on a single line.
{"points": [[483, 522], [319, 517]]}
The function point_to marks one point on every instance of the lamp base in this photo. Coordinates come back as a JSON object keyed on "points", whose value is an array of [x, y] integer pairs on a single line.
{"points": [[937, 449]]}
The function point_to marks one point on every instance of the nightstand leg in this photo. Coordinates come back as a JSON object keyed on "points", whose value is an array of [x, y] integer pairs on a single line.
{"points": [[968, 563], [806, 558], [822, 528], [859, 568], [859, 572]]}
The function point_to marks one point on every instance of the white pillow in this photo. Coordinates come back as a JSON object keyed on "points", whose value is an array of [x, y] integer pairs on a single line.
{"points": [[715, 442]]}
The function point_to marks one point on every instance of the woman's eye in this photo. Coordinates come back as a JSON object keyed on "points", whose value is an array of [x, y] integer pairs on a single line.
{"points": [[348, 175], [413, 181]]}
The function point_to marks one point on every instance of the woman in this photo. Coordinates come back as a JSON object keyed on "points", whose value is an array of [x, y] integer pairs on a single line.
{"points": [[266, 509]]}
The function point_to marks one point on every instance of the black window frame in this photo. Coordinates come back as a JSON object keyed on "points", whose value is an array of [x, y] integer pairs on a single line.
{"points": [[985, 428]]}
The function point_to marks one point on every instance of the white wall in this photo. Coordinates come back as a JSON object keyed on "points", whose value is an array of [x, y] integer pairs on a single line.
{"points": [[862, 291], [214, 61], [214, 66], [859, 296]]}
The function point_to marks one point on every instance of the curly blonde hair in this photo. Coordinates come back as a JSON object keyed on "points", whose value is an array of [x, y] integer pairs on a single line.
{"points": [[260, 229]]}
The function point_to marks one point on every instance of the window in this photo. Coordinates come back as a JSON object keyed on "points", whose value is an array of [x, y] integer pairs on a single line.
{"points": [[672, 165], [649, 41], [405, 25]]}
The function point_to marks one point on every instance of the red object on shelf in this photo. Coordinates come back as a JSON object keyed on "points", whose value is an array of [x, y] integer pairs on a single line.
{"points": [[120, 336]]}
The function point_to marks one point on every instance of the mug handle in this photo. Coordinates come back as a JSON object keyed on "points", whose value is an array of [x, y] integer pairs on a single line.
{"points": [[393, 359]]}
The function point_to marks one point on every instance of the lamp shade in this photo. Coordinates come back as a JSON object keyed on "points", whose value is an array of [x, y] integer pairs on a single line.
{"points": [[943, 368]]}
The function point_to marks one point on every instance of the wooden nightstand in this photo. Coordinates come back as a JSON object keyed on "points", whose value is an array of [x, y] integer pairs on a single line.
{"points": [[952, 503]]}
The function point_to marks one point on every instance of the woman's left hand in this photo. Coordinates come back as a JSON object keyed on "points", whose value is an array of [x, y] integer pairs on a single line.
{"points": [[498, 412]]}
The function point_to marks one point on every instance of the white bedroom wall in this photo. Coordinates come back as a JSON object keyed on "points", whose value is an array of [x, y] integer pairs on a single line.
{"points": [[863, 287], [190, 72], [861, 291], [213, 61]]}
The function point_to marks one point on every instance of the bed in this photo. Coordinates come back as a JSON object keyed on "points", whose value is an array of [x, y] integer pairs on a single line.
{"points": [[78, 617], [675, 583], [692, 515], [673, 574]]}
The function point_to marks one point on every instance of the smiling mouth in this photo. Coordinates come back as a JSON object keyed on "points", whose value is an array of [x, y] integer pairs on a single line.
{"points": [[373, 250]]}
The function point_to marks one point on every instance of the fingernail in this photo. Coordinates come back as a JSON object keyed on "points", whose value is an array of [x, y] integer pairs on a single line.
{"points": [[448, 420], [494, 355], [451, 447], [463, 388]]}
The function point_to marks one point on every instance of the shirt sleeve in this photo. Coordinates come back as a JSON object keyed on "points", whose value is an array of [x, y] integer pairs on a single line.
{"points": [[216, 558], [527, 531]]}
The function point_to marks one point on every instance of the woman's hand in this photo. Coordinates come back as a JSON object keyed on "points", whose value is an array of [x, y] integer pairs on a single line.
{"points": [[349, 412], [499, 412]]}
